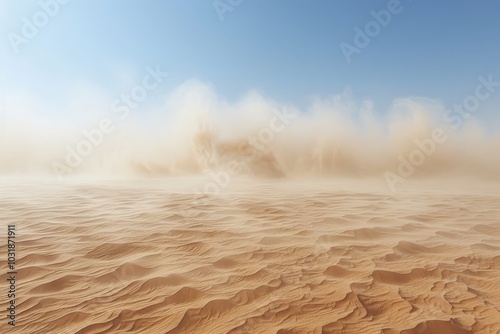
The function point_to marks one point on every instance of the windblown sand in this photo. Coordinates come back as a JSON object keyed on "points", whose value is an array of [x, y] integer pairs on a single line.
{"points": [[260, 257]]}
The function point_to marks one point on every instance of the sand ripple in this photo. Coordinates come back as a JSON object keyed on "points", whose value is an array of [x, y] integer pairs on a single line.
{"points": [[138, 258]]}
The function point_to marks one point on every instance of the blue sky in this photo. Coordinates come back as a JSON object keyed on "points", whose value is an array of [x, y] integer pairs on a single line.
{"points": [[288, 50]]}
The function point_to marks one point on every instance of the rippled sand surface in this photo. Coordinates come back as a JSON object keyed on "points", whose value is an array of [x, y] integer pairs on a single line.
{"points": [[271, 257]]}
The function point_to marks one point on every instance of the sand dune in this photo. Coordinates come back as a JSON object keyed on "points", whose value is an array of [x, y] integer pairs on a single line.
{"points": [[266, 257]]}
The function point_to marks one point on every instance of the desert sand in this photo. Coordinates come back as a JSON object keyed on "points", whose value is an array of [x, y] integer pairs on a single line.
{"points": [[259, 257]]}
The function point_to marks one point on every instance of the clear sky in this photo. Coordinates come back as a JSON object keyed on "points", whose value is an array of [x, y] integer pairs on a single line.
{"points": [[287, 49]]}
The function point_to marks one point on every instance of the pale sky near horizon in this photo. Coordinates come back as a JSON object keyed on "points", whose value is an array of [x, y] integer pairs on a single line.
{"points": [[288, 50]]}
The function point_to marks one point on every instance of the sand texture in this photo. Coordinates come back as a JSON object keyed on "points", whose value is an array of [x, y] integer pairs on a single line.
{"points": [[258, 258]]}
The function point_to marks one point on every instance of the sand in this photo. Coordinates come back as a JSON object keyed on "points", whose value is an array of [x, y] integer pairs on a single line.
{"points": [[260, 257]]}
